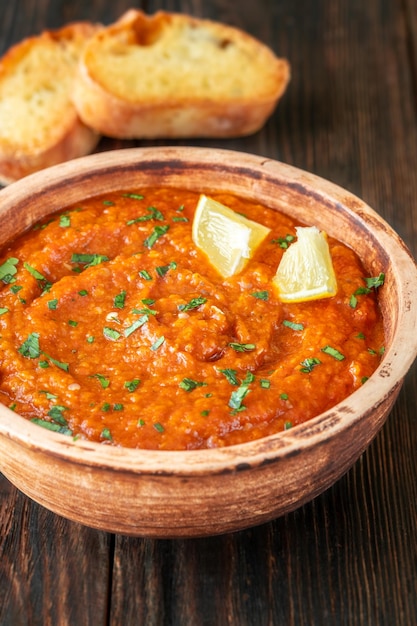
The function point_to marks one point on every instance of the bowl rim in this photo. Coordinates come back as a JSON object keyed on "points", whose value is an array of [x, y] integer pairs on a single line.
{"points": [[267, 449]]}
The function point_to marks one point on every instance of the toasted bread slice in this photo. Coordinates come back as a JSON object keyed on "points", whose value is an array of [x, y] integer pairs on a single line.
{"points": [[171, 75], [39, 125]]}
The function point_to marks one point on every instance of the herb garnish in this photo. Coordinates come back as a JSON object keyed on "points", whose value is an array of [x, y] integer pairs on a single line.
{"points": [[283, 242], [158, 343], [188, 384], [242, 347], [154, 214], [88, 260], [133, 196], [137, 324], [333, 352], [161, 270], [106, 434], [145, 275], [157, 232], [111, 333], [30, 348], [64, 221], [372, 282], [119, 300], [237, 397], [194, 303], [132, 385], [293, 325], [43, 282], [8, 270], [60, 364], [58, 428], [309, 364], [231, 375], [104, 382], [56, 414], [260, 295]]}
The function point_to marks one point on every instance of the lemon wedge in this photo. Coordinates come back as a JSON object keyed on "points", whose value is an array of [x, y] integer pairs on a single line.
{"points": [[306, 269], [227, 238]]}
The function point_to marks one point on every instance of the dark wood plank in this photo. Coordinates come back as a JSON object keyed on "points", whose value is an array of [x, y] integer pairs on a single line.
{"points": [[51, 571]]}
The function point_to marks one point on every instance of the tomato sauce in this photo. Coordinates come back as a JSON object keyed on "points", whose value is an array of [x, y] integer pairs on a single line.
{"points": [[115, 328]]}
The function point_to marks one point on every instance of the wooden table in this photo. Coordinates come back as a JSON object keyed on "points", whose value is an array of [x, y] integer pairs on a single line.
{"points": [[350, 556]]}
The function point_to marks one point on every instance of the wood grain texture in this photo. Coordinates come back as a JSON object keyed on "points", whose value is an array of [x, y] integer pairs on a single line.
{"points": [[350, 556]]}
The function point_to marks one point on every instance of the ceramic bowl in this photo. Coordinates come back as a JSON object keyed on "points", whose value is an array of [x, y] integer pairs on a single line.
{"points": [[195, 493]]}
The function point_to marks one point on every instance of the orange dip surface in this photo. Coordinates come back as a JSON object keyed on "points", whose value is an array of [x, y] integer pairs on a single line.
{"points": [[115, 328]]}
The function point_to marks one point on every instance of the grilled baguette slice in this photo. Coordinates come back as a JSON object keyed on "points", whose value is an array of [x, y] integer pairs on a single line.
{"points": [[170, 75], [39, 125]]}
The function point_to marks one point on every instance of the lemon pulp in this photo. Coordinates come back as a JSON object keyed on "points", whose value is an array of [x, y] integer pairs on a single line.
{"points": [[227, 238], [306, 269]]}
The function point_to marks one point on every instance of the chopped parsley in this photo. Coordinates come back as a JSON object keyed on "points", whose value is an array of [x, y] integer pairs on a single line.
{"points": [[157, 232], [106, 434], [293, 325], [188, 384], [137, 324], [161, 270], [158, 427], [43, 282], [58, 428], [133, 196], [158, 343], [261, 295], [8, 270], [104, 382], [153, 214], [56, 414], [237, 397], [309, 364], [242, 347], [119, 300], [111, 333], [145, 275], [375, 281], [194, 303], [30, 348], [64, 221], [283, 242], [231, 376], [132, 385], [88, 260], [333, 352], [265, 383], [60, 364]]}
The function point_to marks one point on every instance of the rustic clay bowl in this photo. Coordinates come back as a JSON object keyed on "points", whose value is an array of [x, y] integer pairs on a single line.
{"points": [[195, 493]]}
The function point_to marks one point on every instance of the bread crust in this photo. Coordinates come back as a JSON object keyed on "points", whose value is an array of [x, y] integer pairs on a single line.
{"points": [[39, 125], [142, 78]]}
